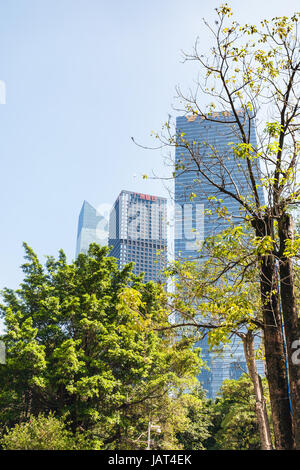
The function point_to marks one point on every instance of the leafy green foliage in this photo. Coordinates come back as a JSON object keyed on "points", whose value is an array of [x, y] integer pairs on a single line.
{"points": [[46, 433], [38, 433], [197, 431], [220, 294], [88, 341], [235, 424]]}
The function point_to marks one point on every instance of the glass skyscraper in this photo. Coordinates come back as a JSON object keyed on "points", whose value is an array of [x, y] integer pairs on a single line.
{"points": [[194, 222], [138, 233], [92, 228]]}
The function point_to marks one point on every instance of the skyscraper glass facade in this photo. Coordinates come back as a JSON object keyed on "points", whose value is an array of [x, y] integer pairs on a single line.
{"points": [[194, 222], [92, 228], [138, 233]]}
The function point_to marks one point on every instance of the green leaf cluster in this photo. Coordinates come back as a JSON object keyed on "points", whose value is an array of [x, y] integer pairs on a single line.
{"points": [[89, 341]]}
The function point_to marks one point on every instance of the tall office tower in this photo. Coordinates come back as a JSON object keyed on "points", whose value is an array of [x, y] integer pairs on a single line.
{"points": [[138, 233], [193, 221], [92, 228]]}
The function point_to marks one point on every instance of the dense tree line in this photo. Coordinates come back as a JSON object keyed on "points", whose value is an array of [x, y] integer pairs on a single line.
{"points": [[82, 343], [92, 362]]}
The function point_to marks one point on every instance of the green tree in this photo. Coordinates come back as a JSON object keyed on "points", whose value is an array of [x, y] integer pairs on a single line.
{"points": [[219, 297], [82, 340], [235, 424], [46, 433], [198, 429], [253, 71], [38, 433]]}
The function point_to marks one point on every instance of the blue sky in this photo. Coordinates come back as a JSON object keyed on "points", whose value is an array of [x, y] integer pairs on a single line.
{"points": [[82, 77]]}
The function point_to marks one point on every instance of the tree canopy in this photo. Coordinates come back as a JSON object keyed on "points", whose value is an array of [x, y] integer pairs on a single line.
{"points": [[250, 81], [82, 341]]}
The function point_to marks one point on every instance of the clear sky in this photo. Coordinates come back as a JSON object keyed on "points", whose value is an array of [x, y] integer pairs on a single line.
{"points": [[82, 77]]}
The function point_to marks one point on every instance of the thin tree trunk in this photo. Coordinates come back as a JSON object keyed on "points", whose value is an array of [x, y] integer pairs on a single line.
{"points": [[290, 317], [260, 405]]}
